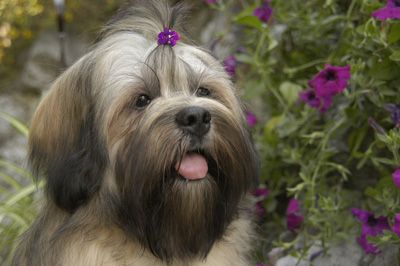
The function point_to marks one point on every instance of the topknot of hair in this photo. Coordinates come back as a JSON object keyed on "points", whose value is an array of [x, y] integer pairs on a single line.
{"points": [[147, 17]]}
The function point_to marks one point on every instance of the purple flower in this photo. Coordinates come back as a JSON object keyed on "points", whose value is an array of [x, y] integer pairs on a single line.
{"points": [[260, 264], [390, 11], [210, 2], [261, 194], [370, 226], [309, 97], [251, 119], [330, 81], [263, 12], [366, 246], [259, 209], [396, 225], [320, 103], [324, 86], [230, 64], [396, 177], [394, 110], [293, 217], [168, 37]]}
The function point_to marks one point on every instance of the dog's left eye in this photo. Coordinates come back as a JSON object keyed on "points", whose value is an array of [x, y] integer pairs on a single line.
{"points": [[203, 92], [142, 101]]}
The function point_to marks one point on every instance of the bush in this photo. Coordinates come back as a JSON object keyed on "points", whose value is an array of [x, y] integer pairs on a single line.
{"points": [[324, 78]]}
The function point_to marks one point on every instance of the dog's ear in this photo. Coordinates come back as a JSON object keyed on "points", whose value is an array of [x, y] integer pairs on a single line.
{"points": [[64, 142]]}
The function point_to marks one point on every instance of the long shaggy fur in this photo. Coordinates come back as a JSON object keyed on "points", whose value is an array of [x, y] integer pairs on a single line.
{"points": [[113, 194]]}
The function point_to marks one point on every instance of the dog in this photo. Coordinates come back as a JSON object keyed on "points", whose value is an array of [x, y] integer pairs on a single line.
{"points": [[147, 157]]}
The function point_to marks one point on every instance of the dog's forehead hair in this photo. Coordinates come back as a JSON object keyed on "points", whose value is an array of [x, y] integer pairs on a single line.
{"points": [[162, 70]]}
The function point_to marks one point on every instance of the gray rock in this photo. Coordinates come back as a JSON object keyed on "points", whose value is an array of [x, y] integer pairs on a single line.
{"points": [[43, 63], [347, 253], [388, 257]]}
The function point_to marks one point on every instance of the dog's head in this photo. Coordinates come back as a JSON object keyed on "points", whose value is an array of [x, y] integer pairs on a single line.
{"points": [[157, 129]]}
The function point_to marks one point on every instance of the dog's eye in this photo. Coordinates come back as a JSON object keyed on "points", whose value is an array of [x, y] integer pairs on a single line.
{"points": [[142, 101], [203, 92]]}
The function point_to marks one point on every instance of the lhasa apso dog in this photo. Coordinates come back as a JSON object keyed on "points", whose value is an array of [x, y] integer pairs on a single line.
{"points": [[145, 151]]}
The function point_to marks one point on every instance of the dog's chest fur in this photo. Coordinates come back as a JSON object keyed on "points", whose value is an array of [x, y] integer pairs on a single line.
{"points": [[111, 248]]}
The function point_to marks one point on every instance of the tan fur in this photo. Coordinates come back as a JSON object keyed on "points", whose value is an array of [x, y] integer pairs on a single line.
{"points": [[233, 250], [109, 165]]}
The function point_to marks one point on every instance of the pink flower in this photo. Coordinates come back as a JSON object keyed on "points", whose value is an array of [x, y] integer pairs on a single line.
{"points": [[370, 226], [321, 103], [396, 225], [390, 11], [261, 194], [396, 177], [293, 217], [330, 81], [251, 119], [366, 246], [263, 12], [230, 64], [324, 86]]}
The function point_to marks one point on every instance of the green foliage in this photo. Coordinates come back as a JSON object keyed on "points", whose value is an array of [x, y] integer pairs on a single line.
{"points": [[331, 161], [18, 206]]}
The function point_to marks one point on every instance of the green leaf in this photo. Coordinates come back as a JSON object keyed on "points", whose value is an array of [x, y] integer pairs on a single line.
{"points": [[394, 34], [21, 194], [250, 21], [17, 169], [245, 58], [272, 44], [371, 192], [290, 91], [246, 18], [18, 125], [11, 181], [384, 70], [272, 124], [395, 56]]}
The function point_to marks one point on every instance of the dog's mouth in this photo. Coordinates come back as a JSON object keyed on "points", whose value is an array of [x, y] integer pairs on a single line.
{"points": [[195, 165]]}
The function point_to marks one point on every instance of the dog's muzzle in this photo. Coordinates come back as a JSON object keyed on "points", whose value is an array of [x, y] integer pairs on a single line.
{"points": [[194, 120]]}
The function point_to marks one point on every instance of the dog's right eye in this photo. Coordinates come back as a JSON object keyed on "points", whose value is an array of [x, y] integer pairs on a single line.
{"points": [[142, 101]]}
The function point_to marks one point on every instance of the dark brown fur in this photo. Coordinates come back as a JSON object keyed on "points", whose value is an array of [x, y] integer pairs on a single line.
{"points": [[113, 194]]}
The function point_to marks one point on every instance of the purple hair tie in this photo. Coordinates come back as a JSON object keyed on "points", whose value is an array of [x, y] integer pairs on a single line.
{"points": [[168, 37]]}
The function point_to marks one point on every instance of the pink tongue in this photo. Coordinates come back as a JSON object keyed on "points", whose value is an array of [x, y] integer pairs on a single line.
{"points": [[193, 166]]}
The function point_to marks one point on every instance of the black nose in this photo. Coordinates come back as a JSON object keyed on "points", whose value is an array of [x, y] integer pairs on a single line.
{"points": [[195, 120]]}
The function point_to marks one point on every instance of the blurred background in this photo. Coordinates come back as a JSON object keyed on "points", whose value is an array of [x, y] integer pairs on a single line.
{"points": [[329, 191]]}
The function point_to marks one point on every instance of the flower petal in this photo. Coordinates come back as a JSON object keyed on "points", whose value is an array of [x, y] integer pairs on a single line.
{"points": [[230, 64], [251, 119], [396, 225], [293, 206], [396, 177], [361, 215], [368, 247], [387, 13], [294, 221]]}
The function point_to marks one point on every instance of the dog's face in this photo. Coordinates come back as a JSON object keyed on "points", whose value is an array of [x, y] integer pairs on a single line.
{"points": [[157, 132]]}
